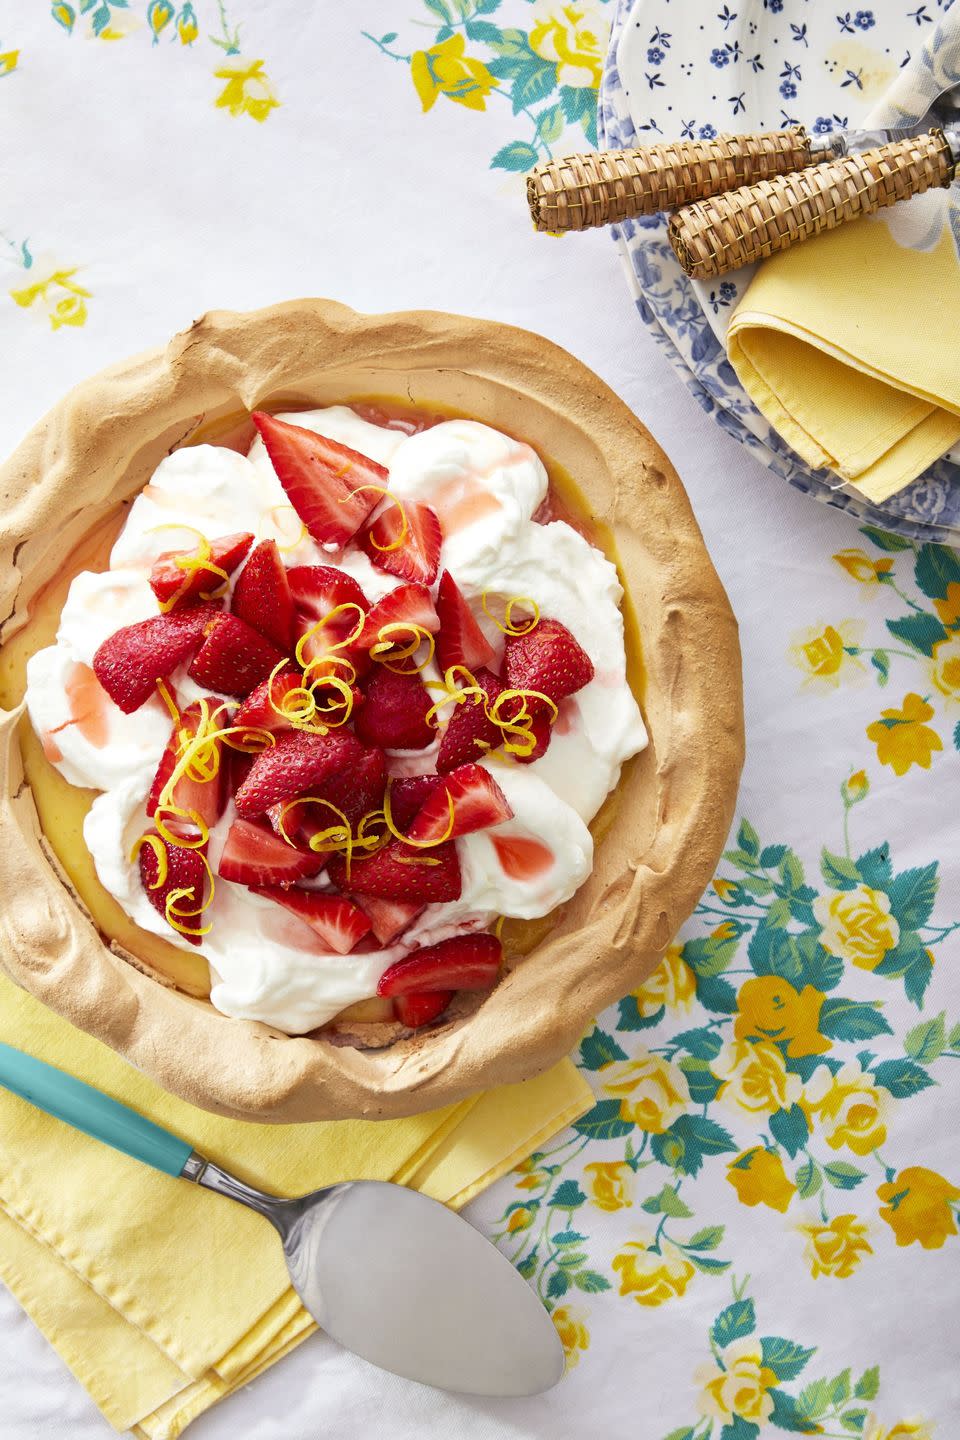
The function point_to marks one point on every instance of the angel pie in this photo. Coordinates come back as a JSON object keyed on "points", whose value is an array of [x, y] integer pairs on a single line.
{"points": [[348, 699]]}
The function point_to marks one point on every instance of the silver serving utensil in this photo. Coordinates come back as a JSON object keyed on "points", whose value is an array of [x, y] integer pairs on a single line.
{"points": [[388, 1273]]}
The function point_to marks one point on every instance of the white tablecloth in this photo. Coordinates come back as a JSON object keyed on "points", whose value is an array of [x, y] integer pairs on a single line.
{"points": [[141, 203]]}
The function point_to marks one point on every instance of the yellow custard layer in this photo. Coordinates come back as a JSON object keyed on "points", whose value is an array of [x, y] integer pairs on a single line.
{"points": [[63, 807]]}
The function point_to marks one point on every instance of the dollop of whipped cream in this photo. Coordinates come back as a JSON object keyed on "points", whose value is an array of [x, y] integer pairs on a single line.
{"points": [[485, 487]]}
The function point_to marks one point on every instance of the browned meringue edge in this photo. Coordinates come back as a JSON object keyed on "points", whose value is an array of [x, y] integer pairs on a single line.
{"points": [[99, 446]]}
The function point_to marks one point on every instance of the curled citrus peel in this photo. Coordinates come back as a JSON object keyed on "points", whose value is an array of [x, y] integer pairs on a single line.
{"points": [[455, 691], [160, 852], [391, 648], [272, 517], [169, 700], [331, 656], [175, 916], [404, 527], [508, 626], [300, 707], [190, 564], [417, 844], [517, 729]]}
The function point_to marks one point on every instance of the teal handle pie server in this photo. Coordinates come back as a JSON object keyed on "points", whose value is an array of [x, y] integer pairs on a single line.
{"points": [[387, 1272]]}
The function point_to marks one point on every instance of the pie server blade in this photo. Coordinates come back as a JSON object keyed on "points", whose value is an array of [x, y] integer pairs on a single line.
{"points": [[387, 1272]]}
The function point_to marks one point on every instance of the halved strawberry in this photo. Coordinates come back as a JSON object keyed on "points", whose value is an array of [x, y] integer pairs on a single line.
{"points": [[547, 659], [129, 663], [407, 605], [185, 871], [418, 554], [297, 764], [338, 922], [542, 731], [234, 658], [394, 713], [253, 855], [322, 478], [356, 791], [389, 918], [460, 641], [416, 1010], [317, 591], [168, 579], [205, 798], [470, 734], [398, 873], [467, 962], [408, 797], [262, 595], [237, 764], [477, 799], [261, 709]]}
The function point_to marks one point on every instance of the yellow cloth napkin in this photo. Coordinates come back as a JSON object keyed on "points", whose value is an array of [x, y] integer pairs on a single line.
{"points": [[843, 344], [163, 1298]]}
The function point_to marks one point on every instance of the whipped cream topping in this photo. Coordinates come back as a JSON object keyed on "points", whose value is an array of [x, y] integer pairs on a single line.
{"points": [[266, 964]]}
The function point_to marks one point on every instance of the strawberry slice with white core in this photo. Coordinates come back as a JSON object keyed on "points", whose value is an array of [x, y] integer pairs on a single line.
{"points": [[185, 871], [262, 707], [470, 734], [318, 591], [234, 657], [476, 800], [401, 872], [408, 605], [253, 855], [416, 1010], [129, 663], [322, 478], [415, 556], [176, 585], [548, 659], [296, 765], [460, 641], [262, 595], [394, 712], [466, 962], [389, 918], [205, 798], [339, 923]]}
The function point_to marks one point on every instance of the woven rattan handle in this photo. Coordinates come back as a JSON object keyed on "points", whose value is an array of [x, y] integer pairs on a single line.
{"points": [[578, 192], [727, 231]]}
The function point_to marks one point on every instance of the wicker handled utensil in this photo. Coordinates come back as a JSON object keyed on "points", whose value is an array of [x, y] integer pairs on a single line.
{"points": [[724, 232], [578, 192]]}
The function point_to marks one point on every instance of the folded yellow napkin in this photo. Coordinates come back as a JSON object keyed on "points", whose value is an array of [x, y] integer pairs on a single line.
{"points": [[163, 1298], [842, 343]]}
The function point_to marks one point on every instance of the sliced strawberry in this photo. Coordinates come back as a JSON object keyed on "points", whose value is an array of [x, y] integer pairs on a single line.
{"points": [[338, 922], [542, 730], [395, 710], [262, 595], [470, 734], [296, 765], [261, 709], [416, 1010], [185, 871], [129, 664], [467, 962], [205, 798], [169, 580], [418, 554], [461, 641], [317, 591], [398, 873], [408, 796], [322, 478], [547, 659], [234, 658], [389, 918], [253, 855], [356, 791], [478, 802], [407, 605], [237, 764]]}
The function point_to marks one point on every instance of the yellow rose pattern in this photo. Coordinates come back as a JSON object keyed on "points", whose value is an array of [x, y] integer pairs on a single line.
{"points": [[244, 85], [48, 289], [547, 68]]}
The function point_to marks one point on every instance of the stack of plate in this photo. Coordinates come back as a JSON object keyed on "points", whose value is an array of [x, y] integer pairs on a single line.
{"points": [[746, 65]]}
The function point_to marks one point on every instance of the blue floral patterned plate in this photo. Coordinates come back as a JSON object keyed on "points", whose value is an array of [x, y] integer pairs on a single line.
{"points": [[753, 65]]}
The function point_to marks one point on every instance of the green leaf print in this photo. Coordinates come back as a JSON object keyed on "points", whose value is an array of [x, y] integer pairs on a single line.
{"points": [[706, 1239], [843, 1019], [702, 1042], [709, 956], [598, 1049], [883, 540], [684, 1433], [783, 1357], [839, 872], [667, 1202], [936, 569], [590, 1282], [567, 1195], [482, 30], [854, 1420], [875, 867], [902, 1078], [685, 1143], [840, 1387], [912, 896], [788, 1415], [518, 155], [740, 1429], [920, 632], [790, 1129], [880, 661], [701, 1081], [926, 1041], [558, 1284], [603, 1122], [868, 1386], [550, 123], [716, 995], [809, 1178], [815, 1398], [629, 1017], [567, 1237], [843, 1176], [733, 1323]]}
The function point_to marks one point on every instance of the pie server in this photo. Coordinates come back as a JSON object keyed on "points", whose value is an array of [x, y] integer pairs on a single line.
{"points": [[390, 1274]]}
